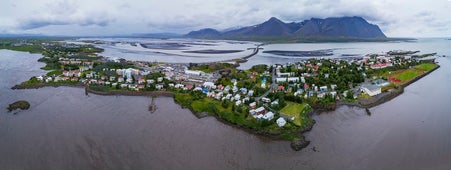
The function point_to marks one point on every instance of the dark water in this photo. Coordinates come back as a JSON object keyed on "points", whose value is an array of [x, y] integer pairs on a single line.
{"points": [[66, 130]]}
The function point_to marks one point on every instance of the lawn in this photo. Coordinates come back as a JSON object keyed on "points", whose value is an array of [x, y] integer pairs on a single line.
{"points": [[294, 110], [407, 75], [426, 66]]}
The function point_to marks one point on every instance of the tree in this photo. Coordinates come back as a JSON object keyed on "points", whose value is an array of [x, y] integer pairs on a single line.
{"points": [[225, 104]]}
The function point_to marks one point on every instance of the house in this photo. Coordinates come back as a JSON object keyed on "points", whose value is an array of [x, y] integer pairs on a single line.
{"points": [[141, 81], [209, 85], [187, 87], [197, 89], [194, 72], [370, 89], [289, 79], [253, 105], [333, 87], [266, 100], [252, 112], [260, 110], [219, 95], [334, 93], [243, 90], [160, 79], [40, 78], [306, 86], [238, 103], [268, 116], [323, 88], [275, 102], [228, 96], [250, 93], [321, 95], [237, 97], [151, 81], [179, 86], [303, 79], [159, 86], [120, 79], [234, 89], [246, 99], [298, 92], [281, 122]]}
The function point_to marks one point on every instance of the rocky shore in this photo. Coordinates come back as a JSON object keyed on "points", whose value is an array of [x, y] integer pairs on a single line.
{"points": [[21, 104]]}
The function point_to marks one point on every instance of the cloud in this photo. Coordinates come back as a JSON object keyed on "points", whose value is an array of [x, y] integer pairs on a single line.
{"points": [[396, 18], [64, 12]]}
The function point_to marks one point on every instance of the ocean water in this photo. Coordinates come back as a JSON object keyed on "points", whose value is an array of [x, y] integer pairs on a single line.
{"points": [[64, 129]]}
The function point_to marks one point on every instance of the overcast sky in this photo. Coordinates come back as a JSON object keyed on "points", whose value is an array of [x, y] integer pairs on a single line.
{"points": [[400, 18]]}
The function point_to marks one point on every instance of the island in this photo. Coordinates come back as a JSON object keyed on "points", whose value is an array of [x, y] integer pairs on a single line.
{"points": [[276, 101], [21, 104]]}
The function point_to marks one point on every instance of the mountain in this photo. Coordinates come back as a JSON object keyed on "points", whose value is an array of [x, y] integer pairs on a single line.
{"points": [[272, 27], [204, 33], [351, 27], [275, 29]]}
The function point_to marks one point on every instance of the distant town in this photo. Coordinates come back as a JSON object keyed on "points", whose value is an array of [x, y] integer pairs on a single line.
{"points": [[273, 100]]}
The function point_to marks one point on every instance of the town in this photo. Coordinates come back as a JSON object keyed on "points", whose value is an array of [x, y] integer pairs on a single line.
{"points": [[273, 99]]}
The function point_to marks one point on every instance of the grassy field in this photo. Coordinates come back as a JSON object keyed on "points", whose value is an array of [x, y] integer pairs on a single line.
{"points": [[409, 74], [426, 66], [294, 110]]}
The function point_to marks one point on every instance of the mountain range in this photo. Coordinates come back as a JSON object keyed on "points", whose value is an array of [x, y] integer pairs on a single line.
{"points": [[344, 28]]}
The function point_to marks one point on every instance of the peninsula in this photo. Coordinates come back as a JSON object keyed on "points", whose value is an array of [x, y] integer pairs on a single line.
{"points": [[271, 100]]}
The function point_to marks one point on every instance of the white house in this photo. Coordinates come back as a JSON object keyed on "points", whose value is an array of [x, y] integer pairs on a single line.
{"points": [[193, 72], [160, 79], [281, 122], [323, 88], [250, 93], [268, 116], [237, 97], [150, 81], [253, 104], [159, 86], [289, 79], [209, 85], [370, 89], [266, 100]]}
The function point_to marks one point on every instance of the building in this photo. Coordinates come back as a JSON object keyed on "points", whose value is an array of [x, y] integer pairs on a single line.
{"points": [[281, 122], [193, 72], [370, 89], [289, 79], [268, 116]]}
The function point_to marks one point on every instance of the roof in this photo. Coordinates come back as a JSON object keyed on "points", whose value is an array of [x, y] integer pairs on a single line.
{"points": [[371, 87]]}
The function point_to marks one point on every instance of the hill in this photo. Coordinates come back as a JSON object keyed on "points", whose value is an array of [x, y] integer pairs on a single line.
{"points": [[329, 29]]}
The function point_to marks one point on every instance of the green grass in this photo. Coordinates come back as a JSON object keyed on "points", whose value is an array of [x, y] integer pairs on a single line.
{"points": [[294, 110], [426, 66], [364, 96], [25, 48], [407, 75]]}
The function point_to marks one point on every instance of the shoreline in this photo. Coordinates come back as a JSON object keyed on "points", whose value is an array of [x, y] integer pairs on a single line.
{"points": [[297, 143], [386, 96]]}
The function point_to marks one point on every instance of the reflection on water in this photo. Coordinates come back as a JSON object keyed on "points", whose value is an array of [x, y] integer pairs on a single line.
{"points": [[66, 130]]}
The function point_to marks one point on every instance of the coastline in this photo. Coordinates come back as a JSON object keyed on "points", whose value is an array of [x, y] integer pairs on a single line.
{"points": [[296, 144], [386, 96]]}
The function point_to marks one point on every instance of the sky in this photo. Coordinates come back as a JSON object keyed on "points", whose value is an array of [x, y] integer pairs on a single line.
{"points": [[400, 18]]}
